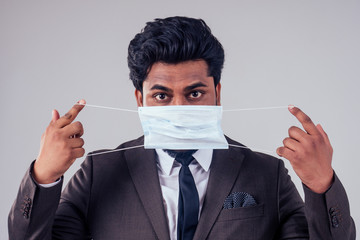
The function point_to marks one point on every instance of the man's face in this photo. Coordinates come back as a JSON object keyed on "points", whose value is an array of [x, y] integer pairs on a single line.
{"points": [[185, 83]]}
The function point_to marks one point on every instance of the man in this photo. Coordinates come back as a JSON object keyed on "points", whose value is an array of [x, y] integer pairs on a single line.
{"points": [[140, 193]]}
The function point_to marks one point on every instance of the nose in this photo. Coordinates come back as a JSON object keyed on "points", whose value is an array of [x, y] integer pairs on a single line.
{"points": [[179, 100]]}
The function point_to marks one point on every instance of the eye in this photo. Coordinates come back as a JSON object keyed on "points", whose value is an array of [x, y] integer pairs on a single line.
{"points": [[160, 96], [195, 94]]}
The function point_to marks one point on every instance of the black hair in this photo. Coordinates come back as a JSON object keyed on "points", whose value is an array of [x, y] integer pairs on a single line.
{"points": [[173, 40]]}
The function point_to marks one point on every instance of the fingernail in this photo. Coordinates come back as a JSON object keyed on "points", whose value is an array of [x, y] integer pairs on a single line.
{"points": [[291, 107], [82, 101]]}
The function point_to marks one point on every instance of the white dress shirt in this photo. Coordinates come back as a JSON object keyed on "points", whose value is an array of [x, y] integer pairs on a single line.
{"points": [[168, 170]]}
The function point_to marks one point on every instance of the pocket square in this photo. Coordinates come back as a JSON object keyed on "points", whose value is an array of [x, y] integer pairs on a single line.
{"points": [[239, 199]]}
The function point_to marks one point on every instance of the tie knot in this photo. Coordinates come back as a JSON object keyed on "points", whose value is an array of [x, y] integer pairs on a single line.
{"points": [[185, 158]]}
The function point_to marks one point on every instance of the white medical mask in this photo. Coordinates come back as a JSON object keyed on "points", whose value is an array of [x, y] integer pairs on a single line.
{"points": [[182, 127]]}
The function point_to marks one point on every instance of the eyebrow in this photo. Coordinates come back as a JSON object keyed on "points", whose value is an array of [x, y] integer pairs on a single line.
{"points": [[161, 87], [195, 85], [188, 88]]}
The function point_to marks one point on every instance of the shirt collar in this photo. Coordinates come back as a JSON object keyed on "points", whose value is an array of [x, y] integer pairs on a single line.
{"points": [[202, 156]]}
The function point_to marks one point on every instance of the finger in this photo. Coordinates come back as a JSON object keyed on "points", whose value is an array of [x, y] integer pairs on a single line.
{"points": [[55, 116], [78, 152], [297, 133], [291, 144], [76, 142], [74, 129], [305, 120], [286, 153], [71, 114]]}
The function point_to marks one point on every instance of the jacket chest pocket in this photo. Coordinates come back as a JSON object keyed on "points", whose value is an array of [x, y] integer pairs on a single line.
{"points": [[238, 223], [241, 213]]}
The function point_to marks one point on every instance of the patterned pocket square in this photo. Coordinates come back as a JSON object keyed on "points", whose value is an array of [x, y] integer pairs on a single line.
{"points": [[239, 199]]}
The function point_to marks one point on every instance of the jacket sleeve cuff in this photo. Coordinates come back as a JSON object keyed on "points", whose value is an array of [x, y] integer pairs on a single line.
{"points": [[33, 209], [329, 212], [48, 185]]}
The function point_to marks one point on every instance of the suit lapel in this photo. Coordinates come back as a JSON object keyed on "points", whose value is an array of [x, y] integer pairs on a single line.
{"points": [[143, 171], [225, 168]]}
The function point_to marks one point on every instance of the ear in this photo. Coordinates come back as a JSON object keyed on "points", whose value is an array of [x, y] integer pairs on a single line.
{"points": [[139, 98], [217, 92]]}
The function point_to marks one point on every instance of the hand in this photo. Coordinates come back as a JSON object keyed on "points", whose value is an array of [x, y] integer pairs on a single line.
{"points": [[60, 146], [309, 152]]}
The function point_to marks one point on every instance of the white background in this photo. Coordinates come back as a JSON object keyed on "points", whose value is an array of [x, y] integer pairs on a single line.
{"points": [[53, 53]]}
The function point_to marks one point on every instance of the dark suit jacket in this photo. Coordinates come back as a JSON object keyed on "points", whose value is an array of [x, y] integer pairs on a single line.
{"points": [[118, 196]]}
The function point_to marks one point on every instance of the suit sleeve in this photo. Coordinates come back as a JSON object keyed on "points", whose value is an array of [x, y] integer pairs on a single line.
{"points": [[32, 214], [328, 214]]}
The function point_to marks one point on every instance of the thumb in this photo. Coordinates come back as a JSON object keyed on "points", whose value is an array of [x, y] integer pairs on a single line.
{"points": [[55, 116]]}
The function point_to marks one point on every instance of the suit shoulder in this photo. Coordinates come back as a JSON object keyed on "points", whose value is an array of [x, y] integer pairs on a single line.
{"points": [[253, 157]]}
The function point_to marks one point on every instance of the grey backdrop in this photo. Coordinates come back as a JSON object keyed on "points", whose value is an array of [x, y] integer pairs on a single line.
{"points": [[53, 53]]}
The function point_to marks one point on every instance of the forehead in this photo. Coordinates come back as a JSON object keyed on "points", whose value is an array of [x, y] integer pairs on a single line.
{"points": [[184, 72]]}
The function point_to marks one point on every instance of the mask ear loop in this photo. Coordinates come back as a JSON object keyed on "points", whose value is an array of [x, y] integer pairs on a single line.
{"points": [[226, 110], [253, 149], [251, 109], [115, 150], [110, 108]]}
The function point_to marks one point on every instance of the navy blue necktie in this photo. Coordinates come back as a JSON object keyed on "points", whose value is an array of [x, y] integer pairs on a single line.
{"points": [[188, 206]]}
